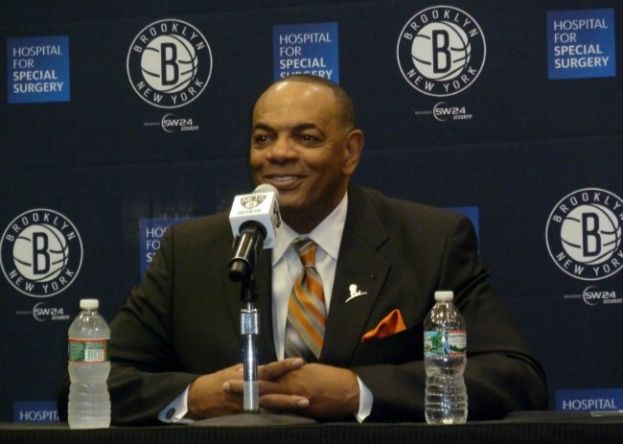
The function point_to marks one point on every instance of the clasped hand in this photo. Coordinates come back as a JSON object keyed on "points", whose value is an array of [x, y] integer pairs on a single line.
{"points": [[287, 386]]}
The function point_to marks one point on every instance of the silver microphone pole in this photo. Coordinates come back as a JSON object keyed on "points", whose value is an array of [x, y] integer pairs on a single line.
{"points": [[249, 329]]}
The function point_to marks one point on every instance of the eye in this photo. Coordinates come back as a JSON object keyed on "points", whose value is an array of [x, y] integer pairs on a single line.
{"points": [[261, 139], [309, 139]]}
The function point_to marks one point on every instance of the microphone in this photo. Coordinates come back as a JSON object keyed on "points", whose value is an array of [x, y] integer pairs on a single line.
{"points": [[253, 219]]}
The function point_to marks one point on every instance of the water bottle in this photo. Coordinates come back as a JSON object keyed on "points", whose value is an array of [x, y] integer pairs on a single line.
{"points": [[89, 365], [444, 360]]}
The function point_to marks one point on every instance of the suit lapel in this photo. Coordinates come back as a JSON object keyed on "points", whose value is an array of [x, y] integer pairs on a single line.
{"points": [[360, 270]]}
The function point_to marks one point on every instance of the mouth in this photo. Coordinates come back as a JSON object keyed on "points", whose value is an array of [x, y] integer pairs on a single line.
{"points": [[283, 182]]}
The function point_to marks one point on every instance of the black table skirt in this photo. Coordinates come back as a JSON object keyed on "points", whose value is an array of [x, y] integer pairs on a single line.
{"points": [[608, 430]]}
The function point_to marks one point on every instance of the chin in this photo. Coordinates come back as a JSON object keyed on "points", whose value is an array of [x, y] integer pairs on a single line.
{"points": [[285, 207], [287, 200]]}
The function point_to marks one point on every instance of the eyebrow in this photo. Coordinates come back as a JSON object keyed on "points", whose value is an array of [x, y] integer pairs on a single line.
{"points": [[262, 126], [297, 128]]}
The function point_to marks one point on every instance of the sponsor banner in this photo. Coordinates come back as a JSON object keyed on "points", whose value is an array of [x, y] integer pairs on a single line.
{"points": [[43, 312], [580, 44], [594, 295], [41, 253], [589, 400], [169, 63], [441, 51], [172, 123], [447, 112], [35, 411], [310, 48], [38, 69], [583, 234], [151, 231]]}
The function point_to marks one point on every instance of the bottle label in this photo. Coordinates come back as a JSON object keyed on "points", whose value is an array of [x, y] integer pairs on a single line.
{"points": [[445, 343], [88, 350]]}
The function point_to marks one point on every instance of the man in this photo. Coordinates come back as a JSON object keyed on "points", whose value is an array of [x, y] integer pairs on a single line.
{"points": [[175, 346]]}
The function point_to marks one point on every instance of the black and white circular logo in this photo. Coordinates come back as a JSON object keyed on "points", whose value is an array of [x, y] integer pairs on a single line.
{"points": [[253, 200], [169, 63], [441, 51], [41, 253], [583, 234]]}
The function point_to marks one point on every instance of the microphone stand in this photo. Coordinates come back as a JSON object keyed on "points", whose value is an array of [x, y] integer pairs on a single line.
{"points": [[242, 271], [249, 329], [241, 268]]}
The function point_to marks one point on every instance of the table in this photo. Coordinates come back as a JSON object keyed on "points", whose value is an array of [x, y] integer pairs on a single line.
{"points": [[541, 428]]}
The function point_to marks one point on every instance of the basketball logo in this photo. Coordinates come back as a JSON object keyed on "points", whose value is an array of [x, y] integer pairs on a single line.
{"points": [[441, 65], [41, 253], [252, 200], [169, 63], [441, 51], [169, 77], [583, 234]]}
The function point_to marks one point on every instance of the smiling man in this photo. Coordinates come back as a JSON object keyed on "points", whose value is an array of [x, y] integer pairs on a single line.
{"points": [[342, 295], [304, 142]]}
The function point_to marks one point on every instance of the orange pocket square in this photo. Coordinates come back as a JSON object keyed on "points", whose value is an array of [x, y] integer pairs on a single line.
{"points": [[389, 325]]}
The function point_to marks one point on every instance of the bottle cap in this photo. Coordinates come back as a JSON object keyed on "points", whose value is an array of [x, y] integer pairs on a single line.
{"points": [[444, 295], [89, 304]]}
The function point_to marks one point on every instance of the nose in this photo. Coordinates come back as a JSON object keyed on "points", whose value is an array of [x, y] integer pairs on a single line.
{"points": [[281, 150]]}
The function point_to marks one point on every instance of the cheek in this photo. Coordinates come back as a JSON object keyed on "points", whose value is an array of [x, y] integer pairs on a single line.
{"points": [[256, 159]]}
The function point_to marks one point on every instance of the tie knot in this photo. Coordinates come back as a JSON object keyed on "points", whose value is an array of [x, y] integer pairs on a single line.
{"points": [[306, 249]]}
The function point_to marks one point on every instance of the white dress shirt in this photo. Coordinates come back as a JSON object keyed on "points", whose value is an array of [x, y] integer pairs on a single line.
{"points": [[287, 266]]}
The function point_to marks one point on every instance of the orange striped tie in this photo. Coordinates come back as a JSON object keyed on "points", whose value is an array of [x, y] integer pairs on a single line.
{"points": [[306, 309]]}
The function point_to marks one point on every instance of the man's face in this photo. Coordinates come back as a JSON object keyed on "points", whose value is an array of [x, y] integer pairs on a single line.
{"points": [[299, 146]]}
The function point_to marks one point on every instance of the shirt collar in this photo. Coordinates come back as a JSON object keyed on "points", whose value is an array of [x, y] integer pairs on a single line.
{"points": [[327, 234]]}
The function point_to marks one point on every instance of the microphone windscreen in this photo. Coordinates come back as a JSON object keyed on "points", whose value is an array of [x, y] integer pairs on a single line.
{"points": [[261, 207], [266, 188]]}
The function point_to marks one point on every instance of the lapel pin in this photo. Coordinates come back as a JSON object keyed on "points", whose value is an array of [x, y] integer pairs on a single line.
{"points": [[354, 293]]}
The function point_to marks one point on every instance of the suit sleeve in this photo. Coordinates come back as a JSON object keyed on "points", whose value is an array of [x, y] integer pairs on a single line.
{"points": [[500, 375], [146, 374]]}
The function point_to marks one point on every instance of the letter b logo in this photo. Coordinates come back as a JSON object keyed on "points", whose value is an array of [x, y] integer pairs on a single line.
{"points": [[590, 234], [170, 71], [40, 255], [441, 54], [591, 240]]}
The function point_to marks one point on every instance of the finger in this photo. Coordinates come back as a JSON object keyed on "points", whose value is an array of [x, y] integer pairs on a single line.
{"points": [[232, 387], [264, 387], [283, 402], [276, 369]]}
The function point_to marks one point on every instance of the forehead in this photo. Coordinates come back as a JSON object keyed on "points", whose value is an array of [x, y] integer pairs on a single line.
{"points": [[294, 103]]}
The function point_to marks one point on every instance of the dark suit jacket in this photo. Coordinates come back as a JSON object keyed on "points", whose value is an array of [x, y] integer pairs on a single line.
{"points": [[183, 319]]}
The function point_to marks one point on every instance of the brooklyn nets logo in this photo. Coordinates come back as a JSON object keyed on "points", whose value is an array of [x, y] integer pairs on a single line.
{"points": [[41, 253], [169, 63], [583, 234], [441, 51], [252, 201]]}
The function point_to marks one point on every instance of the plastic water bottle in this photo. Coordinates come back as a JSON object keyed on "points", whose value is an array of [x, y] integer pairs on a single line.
{"points": [[89, 365], [445, 344]]}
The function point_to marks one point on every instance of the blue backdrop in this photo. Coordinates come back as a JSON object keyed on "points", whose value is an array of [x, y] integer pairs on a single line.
{"points": [[118, 119]]}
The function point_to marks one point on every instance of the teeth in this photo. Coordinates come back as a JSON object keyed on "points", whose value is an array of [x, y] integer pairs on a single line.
{"points": [[282, 178]]}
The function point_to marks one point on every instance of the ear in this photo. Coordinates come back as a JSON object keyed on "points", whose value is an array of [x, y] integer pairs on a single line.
{"points": [[352, 146]]}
